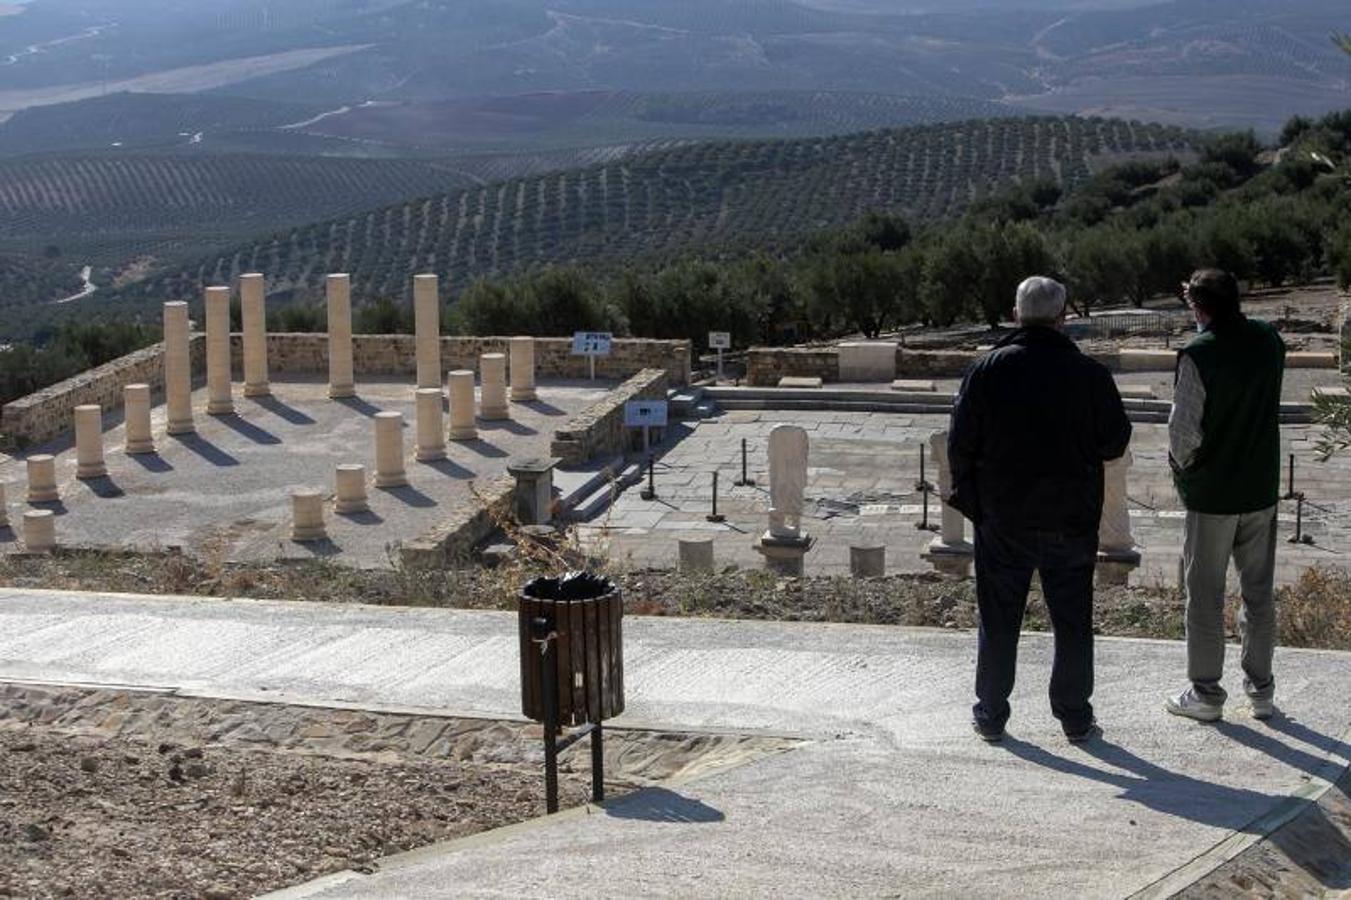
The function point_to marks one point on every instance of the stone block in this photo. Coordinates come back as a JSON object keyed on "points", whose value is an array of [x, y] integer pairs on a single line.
{"points": [[1134, 360], [916, 386], [1137, 392], [797, 381], [696, 556], [1310, 360], [867, 361], [868, 562], [1331, 392]]}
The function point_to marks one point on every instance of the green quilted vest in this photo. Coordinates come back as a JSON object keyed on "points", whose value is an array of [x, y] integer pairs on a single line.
{"points": [[1238, 468]]}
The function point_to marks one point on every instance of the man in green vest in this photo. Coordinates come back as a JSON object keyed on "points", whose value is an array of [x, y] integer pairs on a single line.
{"points": [[1225, 448]]}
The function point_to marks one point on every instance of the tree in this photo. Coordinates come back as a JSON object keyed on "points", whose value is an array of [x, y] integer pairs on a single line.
{"points": [[1343, 41], [951, 279], [1101, 268], [1007, 254]]}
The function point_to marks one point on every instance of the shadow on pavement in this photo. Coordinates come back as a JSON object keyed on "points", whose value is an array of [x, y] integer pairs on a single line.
{"points": [[151, 462], [543, 408], [410, 496], [205, 449], [279, 408], [248, 430], [356, 404], [662, 805], [104, 488]]}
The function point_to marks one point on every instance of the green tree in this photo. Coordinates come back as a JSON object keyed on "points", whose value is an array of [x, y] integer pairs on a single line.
{"points": [[951, 279], [1101, 268], [1007, 254]]}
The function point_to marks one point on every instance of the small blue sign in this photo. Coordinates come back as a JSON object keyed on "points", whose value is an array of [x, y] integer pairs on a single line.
{"points": [[645, 414], [592, 343]]}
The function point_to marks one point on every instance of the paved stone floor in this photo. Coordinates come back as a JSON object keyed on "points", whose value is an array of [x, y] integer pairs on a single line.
{"points": [[225, 492], [892, 796], [861, 490]]}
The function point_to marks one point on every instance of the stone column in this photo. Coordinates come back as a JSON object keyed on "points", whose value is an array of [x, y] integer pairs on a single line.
{"points": [[307, 515], [785, 544], [42, 479], [254, 309], [351, 496], [523, 370], [1117, 556], [868, 561], [220, 396], [39, 531], [493, 370], [136, 405], [389, 470], [696, 555], [949, 552], [341, 378], [178, 369], [431, 435], [4, 506], [427, 324], [89, 442], [534, 489], [462, 425]]}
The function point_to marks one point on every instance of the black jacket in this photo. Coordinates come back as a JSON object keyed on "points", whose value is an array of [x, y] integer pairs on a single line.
{"points": [[1034, 422]]}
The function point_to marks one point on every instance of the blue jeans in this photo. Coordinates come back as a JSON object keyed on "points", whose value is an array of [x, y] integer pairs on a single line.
{"points": [[1005, 561]]}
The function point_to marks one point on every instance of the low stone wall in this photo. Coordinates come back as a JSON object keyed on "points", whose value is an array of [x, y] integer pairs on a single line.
{"points": [[600, 428], [49, 413], [933, 363], [765, 366], [451, 543], [393, 354]]}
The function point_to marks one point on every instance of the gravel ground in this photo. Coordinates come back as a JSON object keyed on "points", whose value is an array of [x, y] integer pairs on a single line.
{"points": [[127, 795]]}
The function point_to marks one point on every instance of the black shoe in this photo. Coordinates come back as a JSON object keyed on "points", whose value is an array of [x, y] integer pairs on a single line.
{"points": [[1085, 734], [988, 733]]}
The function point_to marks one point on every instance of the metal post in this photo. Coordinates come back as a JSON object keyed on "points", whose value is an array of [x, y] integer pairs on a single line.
{"points": [[651, 492], [592, 359], [745, 479], [1290, 484], [719, 364], [543, 634], [923, 487], [715, 516], [1300, 537], [597, 763]]}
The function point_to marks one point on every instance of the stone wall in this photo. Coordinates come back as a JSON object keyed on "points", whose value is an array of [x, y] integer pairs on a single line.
{"points": [[392, 354], [600, 428], [765, 366], [451, 543], [49, 413]]}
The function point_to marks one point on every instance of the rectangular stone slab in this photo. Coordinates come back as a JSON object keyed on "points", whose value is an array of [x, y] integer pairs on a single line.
{"points": [[914, 386], [867, 361], [795, 381], [1137, 392]]}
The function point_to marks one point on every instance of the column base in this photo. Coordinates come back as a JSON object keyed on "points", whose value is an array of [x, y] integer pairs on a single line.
{"points": [[524, 395], [51, 495], [351, 507], [258, 390], [225, 408], [181, 428], [309, 535], [431, 454], [90, 472], [464, 434], [940, 547], [950, 558], [494, 415], [392, 480], [784, 556], [139, 448], [1124, 555], [342, 391]]}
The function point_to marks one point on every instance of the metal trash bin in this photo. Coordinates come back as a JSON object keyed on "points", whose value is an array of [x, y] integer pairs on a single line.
{"points": [[572, 665]]}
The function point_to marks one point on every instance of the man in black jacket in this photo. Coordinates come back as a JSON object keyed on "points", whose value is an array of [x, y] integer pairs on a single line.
{"points": [[1034, 422]]}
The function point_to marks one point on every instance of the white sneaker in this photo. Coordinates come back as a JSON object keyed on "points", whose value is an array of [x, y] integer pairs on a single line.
{"points": [[1262, 709], [1193, 707]]}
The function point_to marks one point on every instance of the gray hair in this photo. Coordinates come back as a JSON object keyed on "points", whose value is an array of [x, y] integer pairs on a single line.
{"points": [[1041, 301]]}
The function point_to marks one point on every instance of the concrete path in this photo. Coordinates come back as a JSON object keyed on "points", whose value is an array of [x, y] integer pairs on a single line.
{"points": [[893, 796]]}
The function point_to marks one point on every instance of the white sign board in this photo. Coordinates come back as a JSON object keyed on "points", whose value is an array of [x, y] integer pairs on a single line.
{"points": [[645, 414], [592, 343], [719, 340]]}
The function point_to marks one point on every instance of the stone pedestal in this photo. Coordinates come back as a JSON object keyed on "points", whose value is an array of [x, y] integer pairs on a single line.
{"points": [[696, 556], [427, 325], [341, 377], [389, 469], [89, 442], [431, 425], [868, 561], [220, 394], [1117, 554], [523, 388], [351, 493], [493, 371], [307, 516], [867, 361], [951, 540], [136, 406], [534, 498], [463, 426], [253, 307], [177, 369], [42, 479], [39, 531], [784, 556]]}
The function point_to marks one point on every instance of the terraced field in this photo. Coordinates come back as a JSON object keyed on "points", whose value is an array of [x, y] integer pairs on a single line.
{"points": [[674, 200], [104, 209]]}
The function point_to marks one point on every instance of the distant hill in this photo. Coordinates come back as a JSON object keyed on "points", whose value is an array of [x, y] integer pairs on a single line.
{"points": [[698, 196], [107, 208]]}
